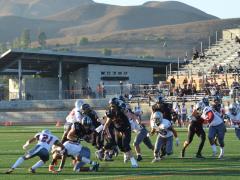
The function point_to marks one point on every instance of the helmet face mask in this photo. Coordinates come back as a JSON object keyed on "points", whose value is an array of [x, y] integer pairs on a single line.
{"points": [[86, 121], [85, 108], [157, 118]]}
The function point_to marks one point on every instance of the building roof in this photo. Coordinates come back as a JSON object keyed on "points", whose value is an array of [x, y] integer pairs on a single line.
{"points": [[46, 61]]}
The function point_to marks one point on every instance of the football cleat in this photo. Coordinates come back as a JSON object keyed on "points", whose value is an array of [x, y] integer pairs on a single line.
{"points": [[31, 170], [95, 167], [220, 156], [156, 159], [199, 156], [183, 153], [9, 171], [139, 157], [99, 155], [134, 166]]}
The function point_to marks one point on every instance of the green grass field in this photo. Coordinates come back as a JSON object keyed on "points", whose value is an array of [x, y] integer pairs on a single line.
{"points": [[12, 138]]}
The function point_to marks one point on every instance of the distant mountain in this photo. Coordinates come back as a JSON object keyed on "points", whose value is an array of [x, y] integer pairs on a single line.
{"points": [[123, 28], [106, 18], [37, 8]]}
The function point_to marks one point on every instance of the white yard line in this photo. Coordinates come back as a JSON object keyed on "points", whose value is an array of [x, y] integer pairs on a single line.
{"points": [[155, 173]]}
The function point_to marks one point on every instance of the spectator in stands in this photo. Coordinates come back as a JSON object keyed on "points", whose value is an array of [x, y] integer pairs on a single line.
{"points": [[220, 69], [238, 53], [173, 82], [202, 55], [195, 55], [237, 40], [185, 83]]}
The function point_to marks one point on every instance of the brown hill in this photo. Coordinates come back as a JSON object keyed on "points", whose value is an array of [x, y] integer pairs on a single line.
{"points": [[162, 41], [37, 8]]}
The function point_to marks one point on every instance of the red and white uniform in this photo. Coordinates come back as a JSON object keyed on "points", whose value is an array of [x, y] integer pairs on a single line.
{"points": [[46, 140], [212, 117], [73, 149], [74, 116]]}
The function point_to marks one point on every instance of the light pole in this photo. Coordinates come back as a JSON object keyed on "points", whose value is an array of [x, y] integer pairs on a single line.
{"points": [[121, 87]]}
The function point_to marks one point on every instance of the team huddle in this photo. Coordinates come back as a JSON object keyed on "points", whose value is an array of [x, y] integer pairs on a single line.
{"points": [[112, 133]]}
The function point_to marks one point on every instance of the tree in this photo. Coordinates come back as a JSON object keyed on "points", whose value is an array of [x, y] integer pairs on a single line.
{"points": [[25, 38], [16, 43], [42, 37], [107, 52], [83, 41], [3, 47]]}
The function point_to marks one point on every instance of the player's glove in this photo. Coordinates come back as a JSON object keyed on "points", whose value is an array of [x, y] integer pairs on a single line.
{"points": [[177, 142]]}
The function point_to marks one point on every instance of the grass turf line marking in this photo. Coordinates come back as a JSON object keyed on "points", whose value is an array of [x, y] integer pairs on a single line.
{"points": [[157, 173]]}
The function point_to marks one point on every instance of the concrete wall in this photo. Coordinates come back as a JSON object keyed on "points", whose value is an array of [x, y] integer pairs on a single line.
{"points": [[230, 34], [36, 88], [135, 75], [78, 79]]}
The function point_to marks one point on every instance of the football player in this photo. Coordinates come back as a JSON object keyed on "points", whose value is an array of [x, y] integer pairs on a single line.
{"points": [[234, 116], [195, 127], [117, 117], [165, 135], [45, 140], [216, 129], [73, 116], [80, 153]]}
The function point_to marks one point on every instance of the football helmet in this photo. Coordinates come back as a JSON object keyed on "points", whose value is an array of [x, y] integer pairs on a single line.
{"points": [[114, 101], [160, 99], [157, 118], [205, 101], [233, 109], [46, 131], [78, 104], [85, 107]]}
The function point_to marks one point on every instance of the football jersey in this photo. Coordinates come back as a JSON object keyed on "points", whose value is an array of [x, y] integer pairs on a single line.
{"points": [[74, 116], [217, 119], [163, 128], [46, 140], [235, 119], [73, 148]]}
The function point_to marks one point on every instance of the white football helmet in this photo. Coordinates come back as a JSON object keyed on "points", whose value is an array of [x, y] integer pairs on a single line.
{"points": [[233, 109], [78, 104], [200, 106], [157, 118], [46, 131]]}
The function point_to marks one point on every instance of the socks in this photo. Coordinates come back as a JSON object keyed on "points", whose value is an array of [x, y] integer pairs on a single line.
{"points": [[38, 164], [86, 160], [133, 161], [214, 148], [221, 150], [18, 162]]}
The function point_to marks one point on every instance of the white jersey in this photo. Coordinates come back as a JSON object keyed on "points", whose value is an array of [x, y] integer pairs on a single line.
{"points": [[74, 116], [217, 119], [46, 140], [163, 128], [73, 149], [235, 119], [135, 127]]}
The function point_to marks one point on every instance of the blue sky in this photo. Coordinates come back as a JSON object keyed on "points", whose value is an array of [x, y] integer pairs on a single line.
{"points": [[221, 8]]}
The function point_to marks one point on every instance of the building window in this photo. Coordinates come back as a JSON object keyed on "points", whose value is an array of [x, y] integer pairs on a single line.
{"points": [[125, 73], [119, 73], [102, 73], [108, 73], [114, 73]]}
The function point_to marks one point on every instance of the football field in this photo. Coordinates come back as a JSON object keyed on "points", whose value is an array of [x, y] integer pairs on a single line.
{"points": [[173, 167]]}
